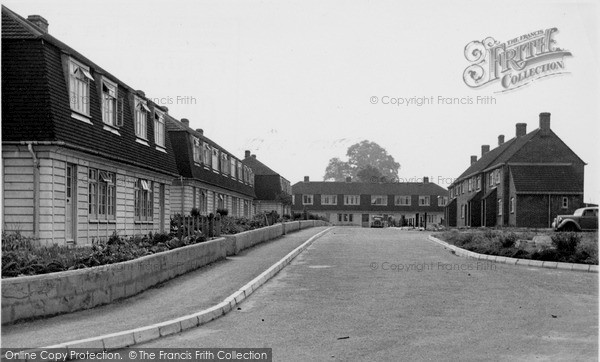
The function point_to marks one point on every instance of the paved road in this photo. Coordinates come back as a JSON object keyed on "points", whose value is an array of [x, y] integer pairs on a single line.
{"points": [[425, 309], [184, 295]]}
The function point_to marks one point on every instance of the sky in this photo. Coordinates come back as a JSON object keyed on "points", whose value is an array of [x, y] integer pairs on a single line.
{"points": [[298, 82]]}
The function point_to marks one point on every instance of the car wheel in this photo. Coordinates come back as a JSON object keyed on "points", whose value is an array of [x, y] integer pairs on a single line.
{"points": [[569, 228]]}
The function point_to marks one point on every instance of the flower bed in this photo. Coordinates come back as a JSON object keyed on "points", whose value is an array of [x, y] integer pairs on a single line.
{"points": [[564, 247]]}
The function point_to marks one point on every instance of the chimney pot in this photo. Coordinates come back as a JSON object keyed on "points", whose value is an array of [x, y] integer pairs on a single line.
{"points": [[500, 140], [306, 179], [521, 129], [39, 21], [425, 180], [545, 121], [473, 159], [485, 149], [185, 121], [141, 93], [247, 154], [348, 179], [200, 130], [253, 156]]}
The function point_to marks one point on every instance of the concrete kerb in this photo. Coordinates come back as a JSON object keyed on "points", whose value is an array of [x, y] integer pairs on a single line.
{"points": [[144, 334], [513, 261]]}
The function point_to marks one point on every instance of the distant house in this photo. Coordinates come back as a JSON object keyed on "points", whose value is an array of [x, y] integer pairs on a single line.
{"points": [[356, 203], [273, 191], [211, 178], [84, 155], [525, 181]]}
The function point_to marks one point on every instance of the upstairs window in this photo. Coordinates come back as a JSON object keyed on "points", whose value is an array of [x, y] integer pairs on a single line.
{"points": [[240, 175], [380, 200], [442, 200], [206, 158], [351, 199], [224, 163], [478, 182], [328, 199], [423, 200], [79, 87], [196, 150], [112, 106], [307, 199], [159, 128], [215, 159], [232, 167], [141, 112], [402, 200]]}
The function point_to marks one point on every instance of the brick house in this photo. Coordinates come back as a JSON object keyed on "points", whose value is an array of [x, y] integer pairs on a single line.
{"points": [[273, 191], [84, 154], [525, 182], [211, 178], [356, 203]]}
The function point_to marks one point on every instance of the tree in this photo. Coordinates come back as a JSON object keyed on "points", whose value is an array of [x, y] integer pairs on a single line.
{"points": [[369, 174], [364, 157]]}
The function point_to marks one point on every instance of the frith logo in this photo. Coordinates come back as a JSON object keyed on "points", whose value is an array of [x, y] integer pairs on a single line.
{"points": [[516, 62]]}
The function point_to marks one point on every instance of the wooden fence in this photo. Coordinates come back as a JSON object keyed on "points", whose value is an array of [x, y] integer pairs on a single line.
{"points": [[188, 225]]}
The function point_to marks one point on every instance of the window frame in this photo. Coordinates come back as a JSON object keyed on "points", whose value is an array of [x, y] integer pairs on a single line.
{"points": [[304, 199], [102, 204], [140, 119], [384, 199], [84, 79], [565, 203], [325, 199], [116, 114], [143, 200], [399, 198], [500, 207], [425, 197], [512, 205], [159, 125]]}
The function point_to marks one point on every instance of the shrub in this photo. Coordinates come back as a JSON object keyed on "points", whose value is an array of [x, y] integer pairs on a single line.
{"points": [[223, 212], [509, 240], [565, 242]]}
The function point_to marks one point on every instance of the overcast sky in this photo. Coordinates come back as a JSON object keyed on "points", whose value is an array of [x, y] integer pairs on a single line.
{"points": [[293, 81]]}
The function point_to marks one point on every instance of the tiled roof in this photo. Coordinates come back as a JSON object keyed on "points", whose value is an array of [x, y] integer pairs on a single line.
{"points": [[366, 188], [497, 155], [545, 179], [35, 101], [258, 167]]}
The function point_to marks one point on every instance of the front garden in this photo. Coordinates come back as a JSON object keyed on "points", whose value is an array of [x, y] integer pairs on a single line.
{"points": [[22, 256], [568, 247]]}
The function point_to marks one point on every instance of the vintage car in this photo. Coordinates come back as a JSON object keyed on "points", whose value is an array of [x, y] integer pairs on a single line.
{"points": [[377, 222], [582, 219]]}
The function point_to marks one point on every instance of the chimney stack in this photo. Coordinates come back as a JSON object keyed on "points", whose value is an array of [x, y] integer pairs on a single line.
{"points": [[485, 149], [473, 159], [500, 140], [141, 93], [39, 21], [545, 121], [200, 130], [185, 121], [348, 179], [521, 129], [247, 154], [253, 156], [306, 179], [425, 179]]}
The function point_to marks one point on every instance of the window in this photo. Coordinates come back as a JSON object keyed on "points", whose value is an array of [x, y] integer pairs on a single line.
{"points": [[203, 202], [141, 111], [350, 217], [499, 207], [234, 206], [159, 128], [215, 159], [442, 200], [328, 199], [402, 200], [101, 194], [109, 104], [206, 155], [512, 205], [79, 87], [197, 150], [498, 177], [143, 198], [246, 175], [423, 200], [240, 175], [491, 178], [340, 217], [220, 201], [293, 199], [246, 208], [351, 199], [380, 200], [470, 184], [462, 211], [224, 163], [565, 202], [232, 166], [307, 199], [478, 182], [251, 177]]}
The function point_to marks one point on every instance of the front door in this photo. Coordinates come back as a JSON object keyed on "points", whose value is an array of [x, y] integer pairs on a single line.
{"points": [[365, 220], [70, 210]]}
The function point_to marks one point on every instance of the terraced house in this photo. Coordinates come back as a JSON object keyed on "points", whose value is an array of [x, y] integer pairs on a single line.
{"points": [[84, 154], [525, 181], [211, 178], [357, 203], [273, 191]]}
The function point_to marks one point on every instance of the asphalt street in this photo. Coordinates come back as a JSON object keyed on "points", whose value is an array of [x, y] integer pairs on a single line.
{"points": [[388, 294]]}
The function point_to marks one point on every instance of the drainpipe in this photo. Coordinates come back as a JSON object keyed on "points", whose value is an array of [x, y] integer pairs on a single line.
{"points": [[549, 212], [36, 191], [182, 196]]}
